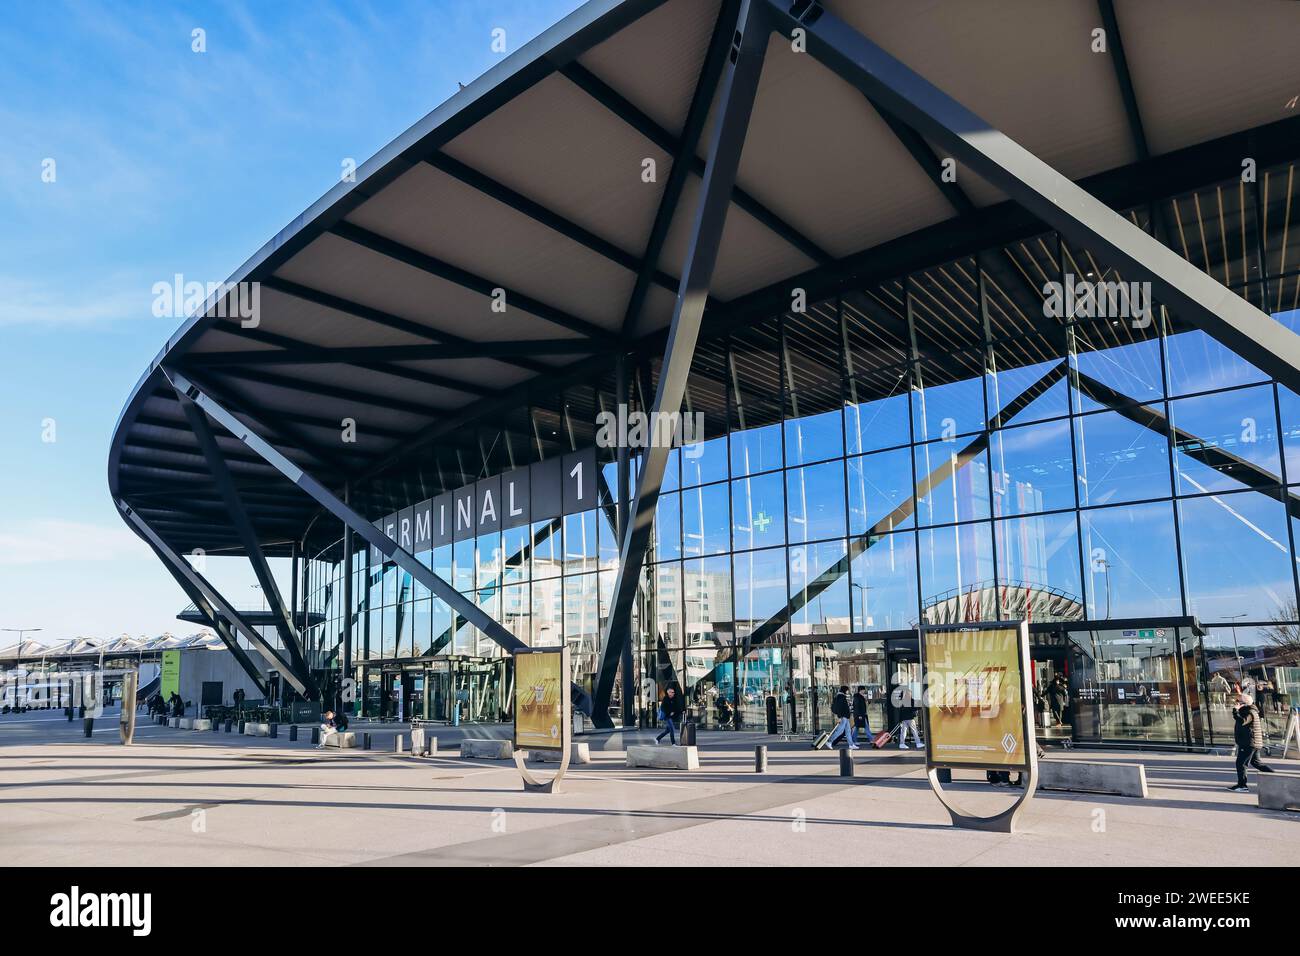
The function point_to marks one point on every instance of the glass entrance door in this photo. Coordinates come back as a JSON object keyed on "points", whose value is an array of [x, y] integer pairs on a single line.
{"points": [[1126, 685], [479, 690]]}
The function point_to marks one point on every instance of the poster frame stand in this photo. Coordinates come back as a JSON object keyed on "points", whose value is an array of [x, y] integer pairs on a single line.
{"points": [[1292, 731], [533, 783], [1004, 822], [126, 720]]}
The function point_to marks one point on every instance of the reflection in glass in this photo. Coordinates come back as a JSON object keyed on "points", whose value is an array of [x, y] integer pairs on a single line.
{"points": [[705, 528], [957, 574], [1038, 568], [1033, 469], [758, 511], [819, 589], [880, 492], [814, 438], [760, 586], [1226, 441], [1236, 557], [952, 481], [815, 501], [883, 583], [1122, 456], [1131, 561]]}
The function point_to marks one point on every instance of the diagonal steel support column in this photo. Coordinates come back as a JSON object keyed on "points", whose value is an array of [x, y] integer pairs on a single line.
{"points": [[214, 621], [220, 606], [389, 548], [735, 103], [248, 538], [1040, 189]]}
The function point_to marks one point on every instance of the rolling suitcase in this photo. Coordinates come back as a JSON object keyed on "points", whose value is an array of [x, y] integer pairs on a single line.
{"points": [[884, 737], [821, 742]]}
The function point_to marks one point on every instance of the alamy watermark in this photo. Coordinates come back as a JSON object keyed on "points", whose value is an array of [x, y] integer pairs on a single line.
{"points": [[1086, 299], [638, 429], [179, 299]]}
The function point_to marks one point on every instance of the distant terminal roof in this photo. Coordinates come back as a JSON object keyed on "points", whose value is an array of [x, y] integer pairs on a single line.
{"points": [[111, 647]]}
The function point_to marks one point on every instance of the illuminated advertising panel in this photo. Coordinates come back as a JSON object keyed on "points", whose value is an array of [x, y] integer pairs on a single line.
{"points": [[541, 698]]}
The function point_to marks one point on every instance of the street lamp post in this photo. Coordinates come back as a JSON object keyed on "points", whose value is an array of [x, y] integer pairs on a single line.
{"points": [[1234, 618]]}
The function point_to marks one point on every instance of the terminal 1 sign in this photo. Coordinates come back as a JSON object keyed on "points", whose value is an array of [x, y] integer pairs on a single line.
{"points": [[975, 691], [542, 491]]}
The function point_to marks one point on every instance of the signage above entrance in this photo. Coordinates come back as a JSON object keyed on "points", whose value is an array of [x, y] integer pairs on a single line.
{"points": [[542, 491]]}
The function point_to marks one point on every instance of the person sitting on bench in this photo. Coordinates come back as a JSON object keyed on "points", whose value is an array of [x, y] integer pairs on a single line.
{"points": [[327, 727]]}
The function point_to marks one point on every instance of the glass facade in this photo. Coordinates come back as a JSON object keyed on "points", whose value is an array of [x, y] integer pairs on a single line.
{"points": [[1021, 433]]}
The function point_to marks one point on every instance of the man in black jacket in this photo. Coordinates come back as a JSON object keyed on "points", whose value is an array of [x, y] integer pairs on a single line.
{"points": [[860, 724], [840, 708], [670, 709], [1248, 732]]}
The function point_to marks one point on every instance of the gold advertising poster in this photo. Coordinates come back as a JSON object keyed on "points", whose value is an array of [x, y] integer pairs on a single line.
{"points": [[539, 701], [974, 696]]}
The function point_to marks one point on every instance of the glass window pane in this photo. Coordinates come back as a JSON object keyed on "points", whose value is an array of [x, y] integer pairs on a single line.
{"points": [[705, 525], [581, 623], [706, 586], [814, 438], [815, 502], [547, 620], [704, 462], [758, 511], [518, 554], [883, 583], [1122, 456], [464, 566], [668, 603], [1236, 557], [756, 450], [951, 399], [515, 611], [1033, 469], [668, 528], [1115, 362], [1199, 363], [1131, 561], [760, 585], [547, 553], [952, 481], [1227, 441], [580, 542], [819, 589], [957, 574], [489, 560], [877, 413], [880, 492], [1038, 568]]}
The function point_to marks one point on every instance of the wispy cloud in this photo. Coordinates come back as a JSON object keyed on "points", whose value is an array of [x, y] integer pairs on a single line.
{"points": [[48, 540]]}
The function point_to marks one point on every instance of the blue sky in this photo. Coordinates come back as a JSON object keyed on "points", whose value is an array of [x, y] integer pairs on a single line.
{"points": [[166, 161]]}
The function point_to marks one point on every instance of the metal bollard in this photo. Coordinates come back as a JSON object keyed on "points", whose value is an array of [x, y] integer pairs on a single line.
{"points": [[88, 726], [397, 743], [241, 727], [760, 758], [229, 725], [293, 733], [365, 741], [216, 725], [68, 711], [770, 712], [273, 730], [315, 735], [846, 762]]}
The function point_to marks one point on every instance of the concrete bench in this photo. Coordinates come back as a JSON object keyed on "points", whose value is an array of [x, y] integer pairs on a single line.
{"points": [[185, 723], [200, 723], [1124, 779], [257, 730], [578, 753], [1279, 791], [423, 744], [666, 758], [173, 722], [489, 749], [344, 741]]}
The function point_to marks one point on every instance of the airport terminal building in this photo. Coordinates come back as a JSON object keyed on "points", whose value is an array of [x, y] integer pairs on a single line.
{"points": [[959, 312]]}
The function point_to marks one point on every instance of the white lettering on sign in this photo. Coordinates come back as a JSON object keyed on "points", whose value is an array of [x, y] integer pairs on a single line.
{"points": [[464, 513], [404, 535], [514, 511], [489, 509], [577, 473]]}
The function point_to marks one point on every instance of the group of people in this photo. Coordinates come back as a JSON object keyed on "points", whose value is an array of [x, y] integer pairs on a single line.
{"points": [[173, 705], [852, 717]]}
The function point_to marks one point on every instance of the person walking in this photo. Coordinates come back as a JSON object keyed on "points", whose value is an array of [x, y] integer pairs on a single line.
{"points": [[1248, 732], [861, 726], [670, 709], [842, 709], [907, 717], [1057, 698]]}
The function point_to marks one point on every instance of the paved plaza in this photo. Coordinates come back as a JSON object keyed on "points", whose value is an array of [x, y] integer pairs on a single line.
{"points": [[215, 799]]}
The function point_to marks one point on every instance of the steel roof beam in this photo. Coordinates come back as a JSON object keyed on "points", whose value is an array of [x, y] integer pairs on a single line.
{"points": [[686, 149], [735, 104], [1047, 194], [394, 250], [621, 107], [247, 533], [181, 567], [544, 216], [302, 354]]}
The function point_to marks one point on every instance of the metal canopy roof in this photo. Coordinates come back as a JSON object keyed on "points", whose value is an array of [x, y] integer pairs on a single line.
{"points": [[376, 302]]}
